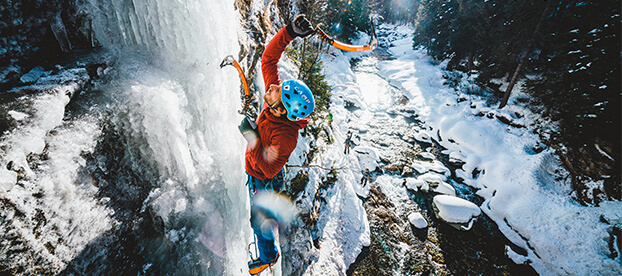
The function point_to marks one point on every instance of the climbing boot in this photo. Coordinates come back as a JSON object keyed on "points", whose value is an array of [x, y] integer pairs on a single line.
{"points": [[255, 267]]}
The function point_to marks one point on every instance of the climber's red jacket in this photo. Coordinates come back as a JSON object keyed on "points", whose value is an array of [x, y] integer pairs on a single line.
{"points": [[278, 136]]}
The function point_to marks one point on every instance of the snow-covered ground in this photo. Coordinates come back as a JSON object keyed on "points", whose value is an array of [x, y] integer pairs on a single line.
{"points": [[519, 185]]}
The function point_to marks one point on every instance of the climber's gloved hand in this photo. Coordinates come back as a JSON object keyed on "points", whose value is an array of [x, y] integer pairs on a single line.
{"points": [[248, 128], [300, 27]]}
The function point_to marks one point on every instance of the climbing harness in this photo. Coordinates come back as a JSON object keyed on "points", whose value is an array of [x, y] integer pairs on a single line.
{"points": [[372, 45], [268, 184], [246, 98]]}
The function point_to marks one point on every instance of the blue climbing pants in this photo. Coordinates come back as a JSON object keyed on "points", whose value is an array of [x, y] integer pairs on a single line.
{"points": [[262, 219]]}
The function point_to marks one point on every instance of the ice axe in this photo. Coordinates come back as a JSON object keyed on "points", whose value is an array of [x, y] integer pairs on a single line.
{"points": [[372, 45], [230, 60]]}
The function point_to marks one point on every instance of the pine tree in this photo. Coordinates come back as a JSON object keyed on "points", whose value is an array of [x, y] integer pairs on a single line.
{"points": [[347, 18], [458, 29], [469, 31], [505, 35], [572, 47], [433, 27], [579, 79], [396, 11], [494, 33], [526, 52]]}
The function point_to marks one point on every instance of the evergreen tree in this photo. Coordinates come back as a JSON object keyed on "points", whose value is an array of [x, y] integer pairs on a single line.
{"points": [[348, 17], [518, 29], [509, 29], [458, 29], [494, 33], [526, 52], [396, 11], [433, 27], [469, 30], [572, 47], [579, 79]]}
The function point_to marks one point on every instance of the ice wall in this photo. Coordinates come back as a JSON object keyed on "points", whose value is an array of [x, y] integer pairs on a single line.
{"points": [[182, 109]]}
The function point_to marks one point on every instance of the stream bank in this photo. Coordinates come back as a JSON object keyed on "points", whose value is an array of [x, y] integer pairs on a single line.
{"points": [[397, 247]]}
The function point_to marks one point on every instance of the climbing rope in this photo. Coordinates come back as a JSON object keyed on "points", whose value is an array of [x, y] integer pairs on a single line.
{"points": [[316, 166]]}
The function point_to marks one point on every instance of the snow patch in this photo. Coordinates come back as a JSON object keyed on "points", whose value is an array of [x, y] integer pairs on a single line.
{"points": [[18, 116], [455, 210], [417, 220]]}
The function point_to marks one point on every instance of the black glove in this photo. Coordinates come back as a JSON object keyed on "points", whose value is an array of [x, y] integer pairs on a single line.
{"points": [[300, 27], [248, 128]]}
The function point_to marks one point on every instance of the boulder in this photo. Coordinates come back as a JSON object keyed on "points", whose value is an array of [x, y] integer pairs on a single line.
{"points": [[417, 220], [456, 211]]}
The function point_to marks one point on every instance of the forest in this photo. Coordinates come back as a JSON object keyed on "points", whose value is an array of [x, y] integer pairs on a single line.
{"points": [[564, 54]]}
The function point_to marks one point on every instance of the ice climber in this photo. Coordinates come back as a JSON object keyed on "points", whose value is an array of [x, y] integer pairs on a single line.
{"points": [[273, 136]]}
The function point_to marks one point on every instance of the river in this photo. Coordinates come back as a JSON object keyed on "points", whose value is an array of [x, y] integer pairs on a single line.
{"points": [[397, 247]]}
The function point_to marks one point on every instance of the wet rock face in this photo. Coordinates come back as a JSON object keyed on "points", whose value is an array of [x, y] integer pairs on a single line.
{"points": [[39, 32], [258, 24]]}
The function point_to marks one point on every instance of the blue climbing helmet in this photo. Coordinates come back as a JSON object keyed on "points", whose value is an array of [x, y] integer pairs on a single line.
{"points": [[297, 99]]}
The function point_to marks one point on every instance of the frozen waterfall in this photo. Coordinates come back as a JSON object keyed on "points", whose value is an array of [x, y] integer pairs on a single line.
{"points": [[144, 173], [182, 110]]}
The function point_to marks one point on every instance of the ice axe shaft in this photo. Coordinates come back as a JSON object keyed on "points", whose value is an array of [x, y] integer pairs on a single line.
{"points": [[230, 60], [372, 45]]}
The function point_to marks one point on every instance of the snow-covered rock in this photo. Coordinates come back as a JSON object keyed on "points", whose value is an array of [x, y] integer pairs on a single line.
{"points": [[427, 155], [18, 116], [457, 157], [367, 156], [416, 184], [455, 210], [423, 137], [417, 220], [439, 168], [517, 258], [444, 188], [33, 75], [420, 167], [433, 179], [423, 167], [7, 179]]}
